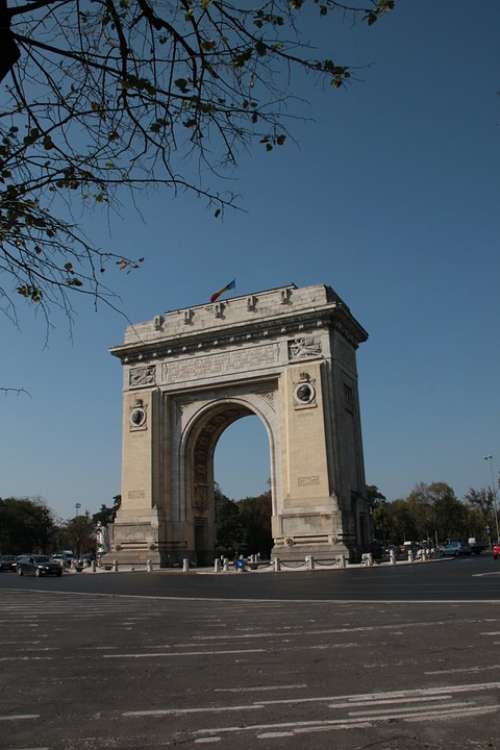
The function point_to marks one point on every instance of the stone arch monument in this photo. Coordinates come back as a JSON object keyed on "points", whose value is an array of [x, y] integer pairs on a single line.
{"points": [[287, 355]]}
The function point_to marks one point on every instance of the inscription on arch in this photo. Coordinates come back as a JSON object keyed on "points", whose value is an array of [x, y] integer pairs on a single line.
{"points": [[194, 368]]}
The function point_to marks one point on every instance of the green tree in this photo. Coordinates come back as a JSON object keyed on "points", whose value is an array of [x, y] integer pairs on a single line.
{"points": [[255, 517], [78, 534], [133, 93], [26, 525], [481, 505], [107, 515], [243, 524], [228, 525]]}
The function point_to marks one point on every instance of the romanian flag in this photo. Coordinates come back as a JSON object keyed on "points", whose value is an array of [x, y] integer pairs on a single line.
{"points": [[215, 296]]}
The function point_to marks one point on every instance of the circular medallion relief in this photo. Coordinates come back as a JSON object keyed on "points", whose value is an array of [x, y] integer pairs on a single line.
{"points": [[304, 393], [137, 416]]}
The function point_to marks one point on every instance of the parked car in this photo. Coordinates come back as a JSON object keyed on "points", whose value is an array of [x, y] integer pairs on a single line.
{"points": [[7, 562], [496, 550], [38, 565], [64, 558], [455, 549]]}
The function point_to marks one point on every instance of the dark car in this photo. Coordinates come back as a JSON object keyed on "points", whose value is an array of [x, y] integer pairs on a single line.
{"points": [[7, 562], [37, 565]]}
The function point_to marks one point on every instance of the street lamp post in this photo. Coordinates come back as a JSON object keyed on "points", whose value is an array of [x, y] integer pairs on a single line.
{"points": [[489, 459]]}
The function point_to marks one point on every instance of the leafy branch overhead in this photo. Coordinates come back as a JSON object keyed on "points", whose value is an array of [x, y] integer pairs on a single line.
{"points": [[109, 94]]}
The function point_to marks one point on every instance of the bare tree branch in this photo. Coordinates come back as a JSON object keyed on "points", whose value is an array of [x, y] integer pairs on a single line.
{"points": [[110, 94]]}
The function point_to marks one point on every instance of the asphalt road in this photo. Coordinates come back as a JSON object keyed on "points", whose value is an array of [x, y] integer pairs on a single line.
{"points": [[131, 661], [471, 578]]}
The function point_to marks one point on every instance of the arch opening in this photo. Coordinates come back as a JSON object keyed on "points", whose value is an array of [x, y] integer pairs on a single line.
{"points": [[206, 507]]}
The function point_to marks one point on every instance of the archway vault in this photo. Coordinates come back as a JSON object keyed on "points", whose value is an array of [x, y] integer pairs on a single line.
{"points": [[198, 446], [287, 355]]}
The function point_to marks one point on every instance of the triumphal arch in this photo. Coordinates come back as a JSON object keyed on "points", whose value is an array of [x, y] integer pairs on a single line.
{"points": [[287, 355]]}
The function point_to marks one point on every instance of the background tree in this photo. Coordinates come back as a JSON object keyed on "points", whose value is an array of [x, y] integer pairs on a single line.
{"points": [[229, 531], [255, 517], [481, 504], [433, 512], [243, 526], [26, 525], [134, 93], [107, 514], [78, 535]]}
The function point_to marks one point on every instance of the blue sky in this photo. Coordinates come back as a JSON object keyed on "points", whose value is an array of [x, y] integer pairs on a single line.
{"points": [[391, 197]]}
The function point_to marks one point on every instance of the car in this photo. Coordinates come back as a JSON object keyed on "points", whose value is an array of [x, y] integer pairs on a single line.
{"points": [[496, 550], [64, 558], [38, 565], [7, 562], [455, 549]]}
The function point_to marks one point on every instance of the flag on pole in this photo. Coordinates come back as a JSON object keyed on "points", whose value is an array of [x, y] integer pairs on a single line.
{"points": [[215, 296]]}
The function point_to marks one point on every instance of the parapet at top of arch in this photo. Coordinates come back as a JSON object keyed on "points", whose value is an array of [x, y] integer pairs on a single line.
{"points": [[264, 313]]}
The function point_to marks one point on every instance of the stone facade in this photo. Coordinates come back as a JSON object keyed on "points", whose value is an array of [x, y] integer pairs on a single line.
{"points": [[287, 355]]}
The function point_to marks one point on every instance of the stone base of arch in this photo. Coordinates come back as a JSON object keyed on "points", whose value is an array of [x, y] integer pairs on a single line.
{"points": [[321, 552]]}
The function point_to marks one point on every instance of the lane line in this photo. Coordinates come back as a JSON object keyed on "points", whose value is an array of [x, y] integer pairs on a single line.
{"points": [[366, 699], [19, 717], [426, 699], [26, 658], [473, 688], [359, 629], [407, 709], [201, 740], [185, 653], [245, 600], [207, 740], [310, 730], [180, 711], [299, 727], [463, 669], [260, 688]]}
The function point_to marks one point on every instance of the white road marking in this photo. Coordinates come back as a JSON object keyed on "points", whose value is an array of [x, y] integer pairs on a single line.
{"points": [[473, 688], [455, 714], [26, 658], [426, 699], [270, 601], [332, 631], [493, 632], [464, 669], [406, 709], [15, 643], [200, 740], [316, 729], [364, 699], [259, 688], [300, 727], [483, 575], [179, 711], [185, 653], [19, 717]]}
